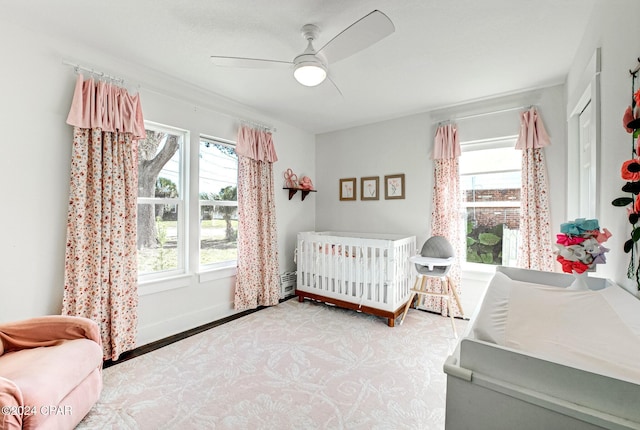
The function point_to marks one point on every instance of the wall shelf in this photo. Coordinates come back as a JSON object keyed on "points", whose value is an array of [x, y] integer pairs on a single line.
{"points": [[293, 191]]}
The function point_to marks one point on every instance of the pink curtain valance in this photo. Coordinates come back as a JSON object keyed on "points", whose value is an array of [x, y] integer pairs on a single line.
{"points": [[532, 132], [446, 144], [256, 144], [106, 106]]}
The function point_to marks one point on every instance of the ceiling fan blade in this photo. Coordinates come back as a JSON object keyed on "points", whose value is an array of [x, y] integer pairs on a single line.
{"points": [[358, 36], [248, 63], [335, 86]]}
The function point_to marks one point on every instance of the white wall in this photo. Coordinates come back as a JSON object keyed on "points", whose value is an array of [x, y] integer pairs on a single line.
{"points": [[35, 95], [614, 28], [404, 145], [384, 148]]}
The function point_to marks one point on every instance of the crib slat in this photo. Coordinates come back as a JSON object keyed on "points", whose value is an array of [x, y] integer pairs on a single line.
{"points": [[323, 269], [330, 260], [365, 271], [352, 271], [309, 259], [385, 270], [371, 252], [344, 270]]}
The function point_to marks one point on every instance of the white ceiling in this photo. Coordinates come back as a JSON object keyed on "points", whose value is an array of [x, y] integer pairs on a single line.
{"points": [[443, 52]]}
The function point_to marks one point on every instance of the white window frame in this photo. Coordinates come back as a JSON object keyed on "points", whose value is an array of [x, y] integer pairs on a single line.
{"points": [[182, 203], [476, 145]]}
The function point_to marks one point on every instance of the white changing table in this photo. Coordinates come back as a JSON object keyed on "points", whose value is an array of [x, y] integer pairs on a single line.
{"points": [[496, 387]]}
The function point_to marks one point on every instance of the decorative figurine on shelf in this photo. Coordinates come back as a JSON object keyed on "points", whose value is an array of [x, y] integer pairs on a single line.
{"points": [[290, 179], [305, 183]]}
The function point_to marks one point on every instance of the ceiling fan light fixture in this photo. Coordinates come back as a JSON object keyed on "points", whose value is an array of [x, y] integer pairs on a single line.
{"points": [[310, 73], [310, 67]]}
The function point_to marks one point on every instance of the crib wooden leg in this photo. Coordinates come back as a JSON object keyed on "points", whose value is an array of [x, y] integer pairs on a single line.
{"points": [[391, 322]]}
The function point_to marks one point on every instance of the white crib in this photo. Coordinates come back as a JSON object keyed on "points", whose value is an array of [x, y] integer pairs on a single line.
{"points": [[362, 271]]}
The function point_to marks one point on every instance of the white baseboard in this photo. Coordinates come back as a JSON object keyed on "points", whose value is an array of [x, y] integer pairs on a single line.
{"points": [[178, 324]]}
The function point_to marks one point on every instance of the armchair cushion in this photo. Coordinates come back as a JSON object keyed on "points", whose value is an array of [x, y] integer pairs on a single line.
{"points": [[51, 361], [46, 331]]}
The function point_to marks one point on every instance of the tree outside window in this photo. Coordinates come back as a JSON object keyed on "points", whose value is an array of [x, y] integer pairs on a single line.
{"points": [[218, 204], [160, 228]]}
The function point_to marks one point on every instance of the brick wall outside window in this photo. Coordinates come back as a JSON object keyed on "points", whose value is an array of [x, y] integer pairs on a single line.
{"points": [[491, 216]]}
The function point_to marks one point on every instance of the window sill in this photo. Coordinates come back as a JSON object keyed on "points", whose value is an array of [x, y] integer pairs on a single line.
{"points": [[477, 271], [154, 286], [478, 268], [214, 274], [158, 285]]}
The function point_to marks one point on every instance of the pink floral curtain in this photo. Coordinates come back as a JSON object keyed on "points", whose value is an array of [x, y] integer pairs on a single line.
{"points": [[446, 216], [257, 282], [535, 247], [100, 280]]}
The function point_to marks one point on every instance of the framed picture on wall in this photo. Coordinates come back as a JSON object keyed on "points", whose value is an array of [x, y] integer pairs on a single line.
{"points": [[394, 186], [369, 187], [348, 189]]}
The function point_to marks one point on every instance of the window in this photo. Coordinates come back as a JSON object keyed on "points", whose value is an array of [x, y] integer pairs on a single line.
{"points": [[161, 234], [164, 205], [218, 193], [490, 179]]}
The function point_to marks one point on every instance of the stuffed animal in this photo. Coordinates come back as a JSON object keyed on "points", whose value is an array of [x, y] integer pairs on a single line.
{"points": [[305, 183]]}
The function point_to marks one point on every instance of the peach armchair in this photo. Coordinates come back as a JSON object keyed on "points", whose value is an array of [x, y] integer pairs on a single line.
{"points": [[50, 372]]}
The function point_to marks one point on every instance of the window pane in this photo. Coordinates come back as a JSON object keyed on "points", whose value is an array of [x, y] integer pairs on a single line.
{"points": [[160, 234], [490, 160], [492, 235], [218, 203], [503, 186], [218, 236], [159, 165], [164, 254], [491, 189]]}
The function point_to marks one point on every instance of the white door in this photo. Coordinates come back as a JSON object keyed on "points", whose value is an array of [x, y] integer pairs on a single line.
{"points": [[587, 164]]}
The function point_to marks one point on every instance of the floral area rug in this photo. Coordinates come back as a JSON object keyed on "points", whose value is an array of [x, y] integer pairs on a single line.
{"points": [[292, 366]]}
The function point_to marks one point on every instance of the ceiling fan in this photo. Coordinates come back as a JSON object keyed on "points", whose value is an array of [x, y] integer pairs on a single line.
{"points": [[311, 67]]}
